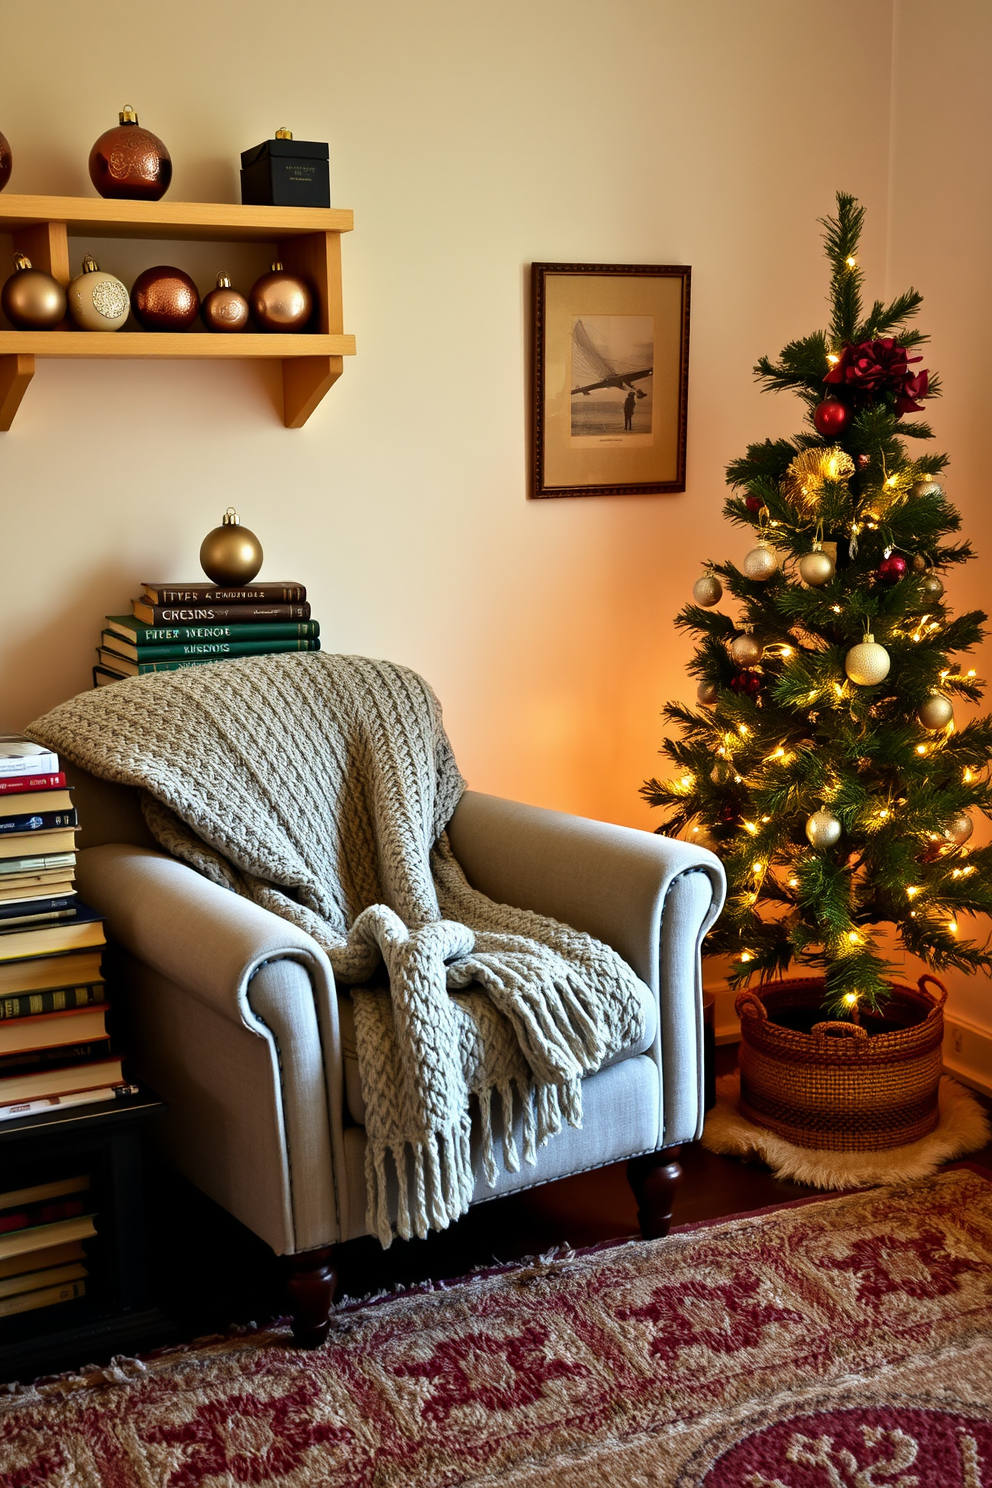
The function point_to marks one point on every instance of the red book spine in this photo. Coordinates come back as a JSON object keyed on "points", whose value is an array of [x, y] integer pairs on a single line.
{"points": [[32, 783], [36, 1214]]}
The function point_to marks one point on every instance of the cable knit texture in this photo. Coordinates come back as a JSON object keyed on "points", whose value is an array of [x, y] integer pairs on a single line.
{"points": [[320, 787]]}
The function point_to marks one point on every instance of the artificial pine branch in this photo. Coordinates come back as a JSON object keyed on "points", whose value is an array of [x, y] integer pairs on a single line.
{"points": [[795, 734]]}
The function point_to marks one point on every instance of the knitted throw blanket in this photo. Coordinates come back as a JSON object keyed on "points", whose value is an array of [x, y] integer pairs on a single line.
{"points": [[320, 787]]}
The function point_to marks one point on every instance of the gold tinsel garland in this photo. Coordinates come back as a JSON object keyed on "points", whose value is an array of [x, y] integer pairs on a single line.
{"points": [[809, 472]]}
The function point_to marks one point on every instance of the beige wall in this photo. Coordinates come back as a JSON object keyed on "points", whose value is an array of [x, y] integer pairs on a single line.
{"points": [[941, 241], [470, 139]]}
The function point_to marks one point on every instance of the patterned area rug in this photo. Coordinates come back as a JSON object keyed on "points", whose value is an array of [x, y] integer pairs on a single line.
{"points": [[843, 1343]]}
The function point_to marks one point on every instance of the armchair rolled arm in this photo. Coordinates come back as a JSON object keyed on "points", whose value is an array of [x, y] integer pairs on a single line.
{"points": [[607, 880], [205, 939]]}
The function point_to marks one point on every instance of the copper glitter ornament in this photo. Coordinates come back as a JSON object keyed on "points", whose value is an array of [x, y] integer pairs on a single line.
{"points": [[97, 301], [707, 590], [6, 161], [810, 470], [130, 163], [31, 299], [224, 308], [281, 301], [230, 554], [164, 299]]}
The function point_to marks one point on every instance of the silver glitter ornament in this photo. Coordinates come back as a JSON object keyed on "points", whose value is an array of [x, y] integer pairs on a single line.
{"points": [[760, 563], [707, 590], [746, 651], [959, 828]]}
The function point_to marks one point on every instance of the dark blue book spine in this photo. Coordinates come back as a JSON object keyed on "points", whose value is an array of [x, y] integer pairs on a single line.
{"points": [[23, 908], [39, 821]]}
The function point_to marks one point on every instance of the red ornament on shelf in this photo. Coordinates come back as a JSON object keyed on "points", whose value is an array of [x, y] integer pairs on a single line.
{"points": [[831, 418], [753, 503], [891, 569], [6, 162]]}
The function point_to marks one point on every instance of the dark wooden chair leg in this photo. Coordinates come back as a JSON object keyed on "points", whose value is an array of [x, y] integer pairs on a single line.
{"points": [[654, 1177], [312, 1283]]}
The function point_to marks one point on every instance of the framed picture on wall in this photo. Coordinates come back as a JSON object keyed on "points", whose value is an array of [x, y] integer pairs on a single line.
{"points": [[611, 363]]}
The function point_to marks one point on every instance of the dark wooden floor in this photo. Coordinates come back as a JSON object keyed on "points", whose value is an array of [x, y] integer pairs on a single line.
{"points": [[230, 1276]]}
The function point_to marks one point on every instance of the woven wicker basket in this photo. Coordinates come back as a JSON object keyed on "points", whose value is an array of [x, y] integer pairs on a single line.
{"points": [[835, 1087]]}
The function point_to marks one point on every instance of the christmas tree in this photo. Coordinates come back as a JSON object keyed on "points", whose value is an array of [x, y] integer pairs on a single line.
{"points": [[823, 764]]}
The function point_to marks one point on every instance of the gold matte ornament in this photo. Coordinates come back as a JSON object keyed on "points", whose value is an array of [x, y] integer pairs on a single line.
{"points": [[281, 301], [822, 828], [936, 712], [707, 694], [760, 563], [31, 299], [230, 554], [816, 568], [932, 588], [867, 664], [707, 590], [808, 472]]}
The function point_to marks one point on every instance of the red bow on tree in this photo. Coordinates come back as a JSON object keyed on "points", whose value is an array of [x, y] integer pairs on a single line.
{"points": [[874, 368]]}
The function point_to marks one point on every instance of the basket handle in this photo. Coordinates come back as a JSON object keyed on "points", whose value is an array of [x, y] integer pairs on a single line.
{"points": [[753, 1006], [937, 1001], [851, 1030]]}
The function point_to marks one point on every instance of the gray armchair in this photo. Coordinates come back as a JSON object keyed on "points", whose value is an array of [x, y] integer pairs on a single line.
{"points": [[234, 1019]]}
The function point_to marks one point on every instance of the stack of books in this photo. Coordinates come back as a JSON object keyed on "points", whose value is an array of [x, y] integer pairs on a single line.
{"points": [[181, 625], [54, 1046], [42, 1229]]}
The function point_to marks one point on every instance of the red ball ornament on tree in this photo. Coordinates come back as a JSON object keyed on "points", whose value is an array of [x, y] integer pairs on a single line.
{"points": [[746, 682], [831, 418], [891, 569]]}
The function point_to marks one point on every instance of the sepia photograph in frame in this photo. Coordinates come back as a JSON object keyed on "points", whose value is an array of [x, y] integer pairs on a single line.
{"points": [[610, 369]]}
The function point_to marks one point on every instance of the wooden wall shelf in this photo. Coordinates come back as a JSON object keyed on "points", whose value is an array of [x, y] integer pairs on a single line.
{"points": [[306, 239]]}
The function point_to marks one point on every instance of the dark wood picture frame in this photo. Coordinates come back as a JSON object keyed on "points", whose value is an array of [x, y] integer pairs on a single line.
{"points": [[622, 331]]}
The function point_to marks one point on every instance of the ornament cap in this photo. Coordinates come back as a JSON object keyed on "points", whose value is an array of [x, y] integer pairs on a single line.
{"points": [[21, 261], [231, 518], [276, 268], [127, 115], [284, 133], [223, 281], [90, 265]]}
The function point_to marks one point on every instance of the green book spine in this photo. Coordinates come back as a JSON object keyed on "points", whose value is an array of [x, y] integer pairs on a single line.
{"points": [[142, 668], [151, 657], [141, 635]]}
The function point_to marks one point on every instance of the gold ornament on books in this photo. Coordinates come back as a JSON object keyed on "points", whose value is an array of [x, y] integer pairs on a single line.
{"points": [[809, 472], [230, 554]]}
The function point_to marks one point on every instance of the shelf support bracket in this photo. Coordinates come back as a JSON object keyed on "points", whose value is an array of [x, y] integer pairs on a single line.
{"points": [[15, 373], [305, 380]]}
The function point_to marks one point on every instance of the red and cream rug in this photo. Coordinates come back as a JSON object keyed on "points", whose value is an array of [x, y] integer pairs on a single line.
{"points": [[843, 1343]]}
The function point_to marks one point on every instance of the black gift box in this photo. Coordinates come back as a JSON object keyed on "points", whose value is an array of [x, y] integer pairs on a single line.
{"points": [[286, 173]]}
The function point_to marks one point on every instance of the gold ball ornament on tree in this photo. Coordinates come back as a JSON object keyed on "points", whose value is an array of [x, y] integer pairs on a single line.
{"points": [[868, 663], [822, 828], [918, 563], [932, 588], [230, 554], [224, 308], [760, 563], [936, 712], [97, 301], [707, 694], [927, 487], [707, 590], [816, 568], [959, 828], [746, 651], [31, 299], [281, 301]]}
